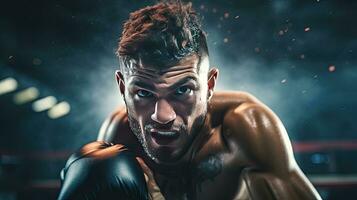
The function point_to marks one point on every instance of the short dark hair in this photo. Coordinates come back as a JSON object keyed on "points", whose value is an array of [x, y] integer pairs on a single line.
{"points": [[165, 32]]}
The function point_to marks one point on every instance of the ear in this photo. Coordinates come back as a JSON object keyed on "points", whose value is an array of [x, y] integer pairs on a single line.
{"points": [[120, 80], [212, 77]]}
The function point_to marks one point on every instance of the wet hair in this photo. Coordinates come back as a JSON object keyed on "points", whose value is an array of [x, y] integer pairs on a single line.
{"points": [[162, 33]]}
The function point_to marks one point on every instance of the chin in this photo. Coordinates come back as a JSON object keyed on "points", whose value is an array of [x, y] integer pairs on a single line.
{"points": [[165, 153]]}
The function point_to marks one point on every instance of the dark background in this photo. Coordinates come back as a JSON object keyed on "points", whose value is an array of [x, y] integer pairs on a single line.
{"points": [[297, 56]]}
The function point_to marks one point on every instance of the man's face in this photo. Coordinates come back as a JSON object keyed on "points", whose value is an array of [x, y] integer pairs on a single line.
{"points": [[166, 105]]}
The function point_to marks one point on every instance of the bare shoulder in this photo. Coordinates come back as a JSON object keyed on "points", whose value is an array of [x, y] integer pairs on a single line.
{"points": [[260, 144], [115, 122], [223, 101], [232, 98], [258, 133]]}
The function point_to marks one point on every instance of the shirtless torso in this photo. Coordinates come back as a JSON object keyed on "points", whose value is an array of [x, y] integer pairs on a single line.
{"points": [[241, 152]]}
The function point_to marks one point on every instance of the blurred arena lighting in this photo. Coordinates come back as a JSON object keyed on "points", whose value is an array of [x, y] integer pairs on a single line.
{"points": [[7, 85], [319, 158], [334, 179], [44, 104], [59, 110], [26, 95]]}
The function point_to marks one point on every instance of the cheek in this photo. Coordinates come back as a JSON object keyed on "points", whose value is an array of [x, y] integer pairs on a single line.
{"points": [[190, 109], [201, 101], [200, 105], [184, 106], [140, 108]]}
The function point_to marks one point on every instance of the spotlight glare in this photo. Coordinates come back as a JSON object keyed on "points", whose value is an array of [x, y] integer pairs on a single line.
{"points": [[44, 104], [26, 95], [7, 85], [59, 110]]}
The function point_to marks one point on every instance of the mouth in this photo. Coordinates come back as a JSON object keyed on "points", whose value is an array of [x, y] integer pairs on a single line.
{"points": [[161, 137]]}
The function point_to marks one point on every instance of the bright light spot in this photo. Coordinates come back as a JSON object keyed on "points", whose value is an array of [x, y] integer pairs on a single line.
{"points": [[59, 110], [331, 68], [225, 40], [7, 85], [44, 103], [26, 95], [283, 81], [307, 29]]}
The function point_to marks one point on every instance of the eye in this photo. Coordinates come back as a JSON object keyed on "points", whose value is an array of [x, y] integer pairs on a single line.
{"points": [[144, 93], [183, 90]]}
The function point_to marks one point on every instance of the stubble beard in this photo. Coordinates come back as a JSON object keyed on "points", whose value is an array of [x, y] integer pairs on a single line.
{"points": [[140, 134], [135, 128]]}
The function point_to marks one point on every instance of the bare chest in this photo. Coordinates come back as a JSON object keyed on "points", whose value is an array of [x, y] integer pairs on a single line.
{"points": [[214, 174]]}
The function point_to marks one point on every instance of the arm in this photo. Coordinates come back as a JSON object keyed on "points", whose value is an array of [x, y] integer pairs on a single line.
{"points": [[270, 171]]}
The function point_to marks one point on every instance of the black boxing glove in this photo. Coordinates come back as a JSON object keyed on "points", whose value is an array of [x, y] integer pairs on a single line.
{"points": [[101, 170]]}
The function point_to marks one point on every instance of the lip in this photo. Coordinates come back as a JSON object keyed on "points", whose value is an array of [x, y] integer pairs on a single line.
{"points": [[164, 137]]}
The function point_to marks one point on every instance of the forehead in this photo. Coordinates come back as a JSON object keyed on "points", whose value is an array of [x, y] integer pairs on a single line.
{"points": [[163, 72]]}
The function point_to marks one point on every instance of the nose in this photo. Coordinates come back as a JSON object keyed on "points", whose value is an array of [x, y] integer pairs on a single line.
{"points": [[164, 113]]}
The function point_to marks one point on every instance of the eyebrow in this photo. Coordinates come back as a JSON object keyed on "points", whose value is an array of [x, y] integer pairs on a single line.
{"points": [[150, 86]]}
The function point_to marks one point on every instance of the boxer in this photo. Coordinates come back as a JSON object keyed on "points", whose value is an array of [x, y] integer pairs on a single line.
{"points": [[176, 138]]}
